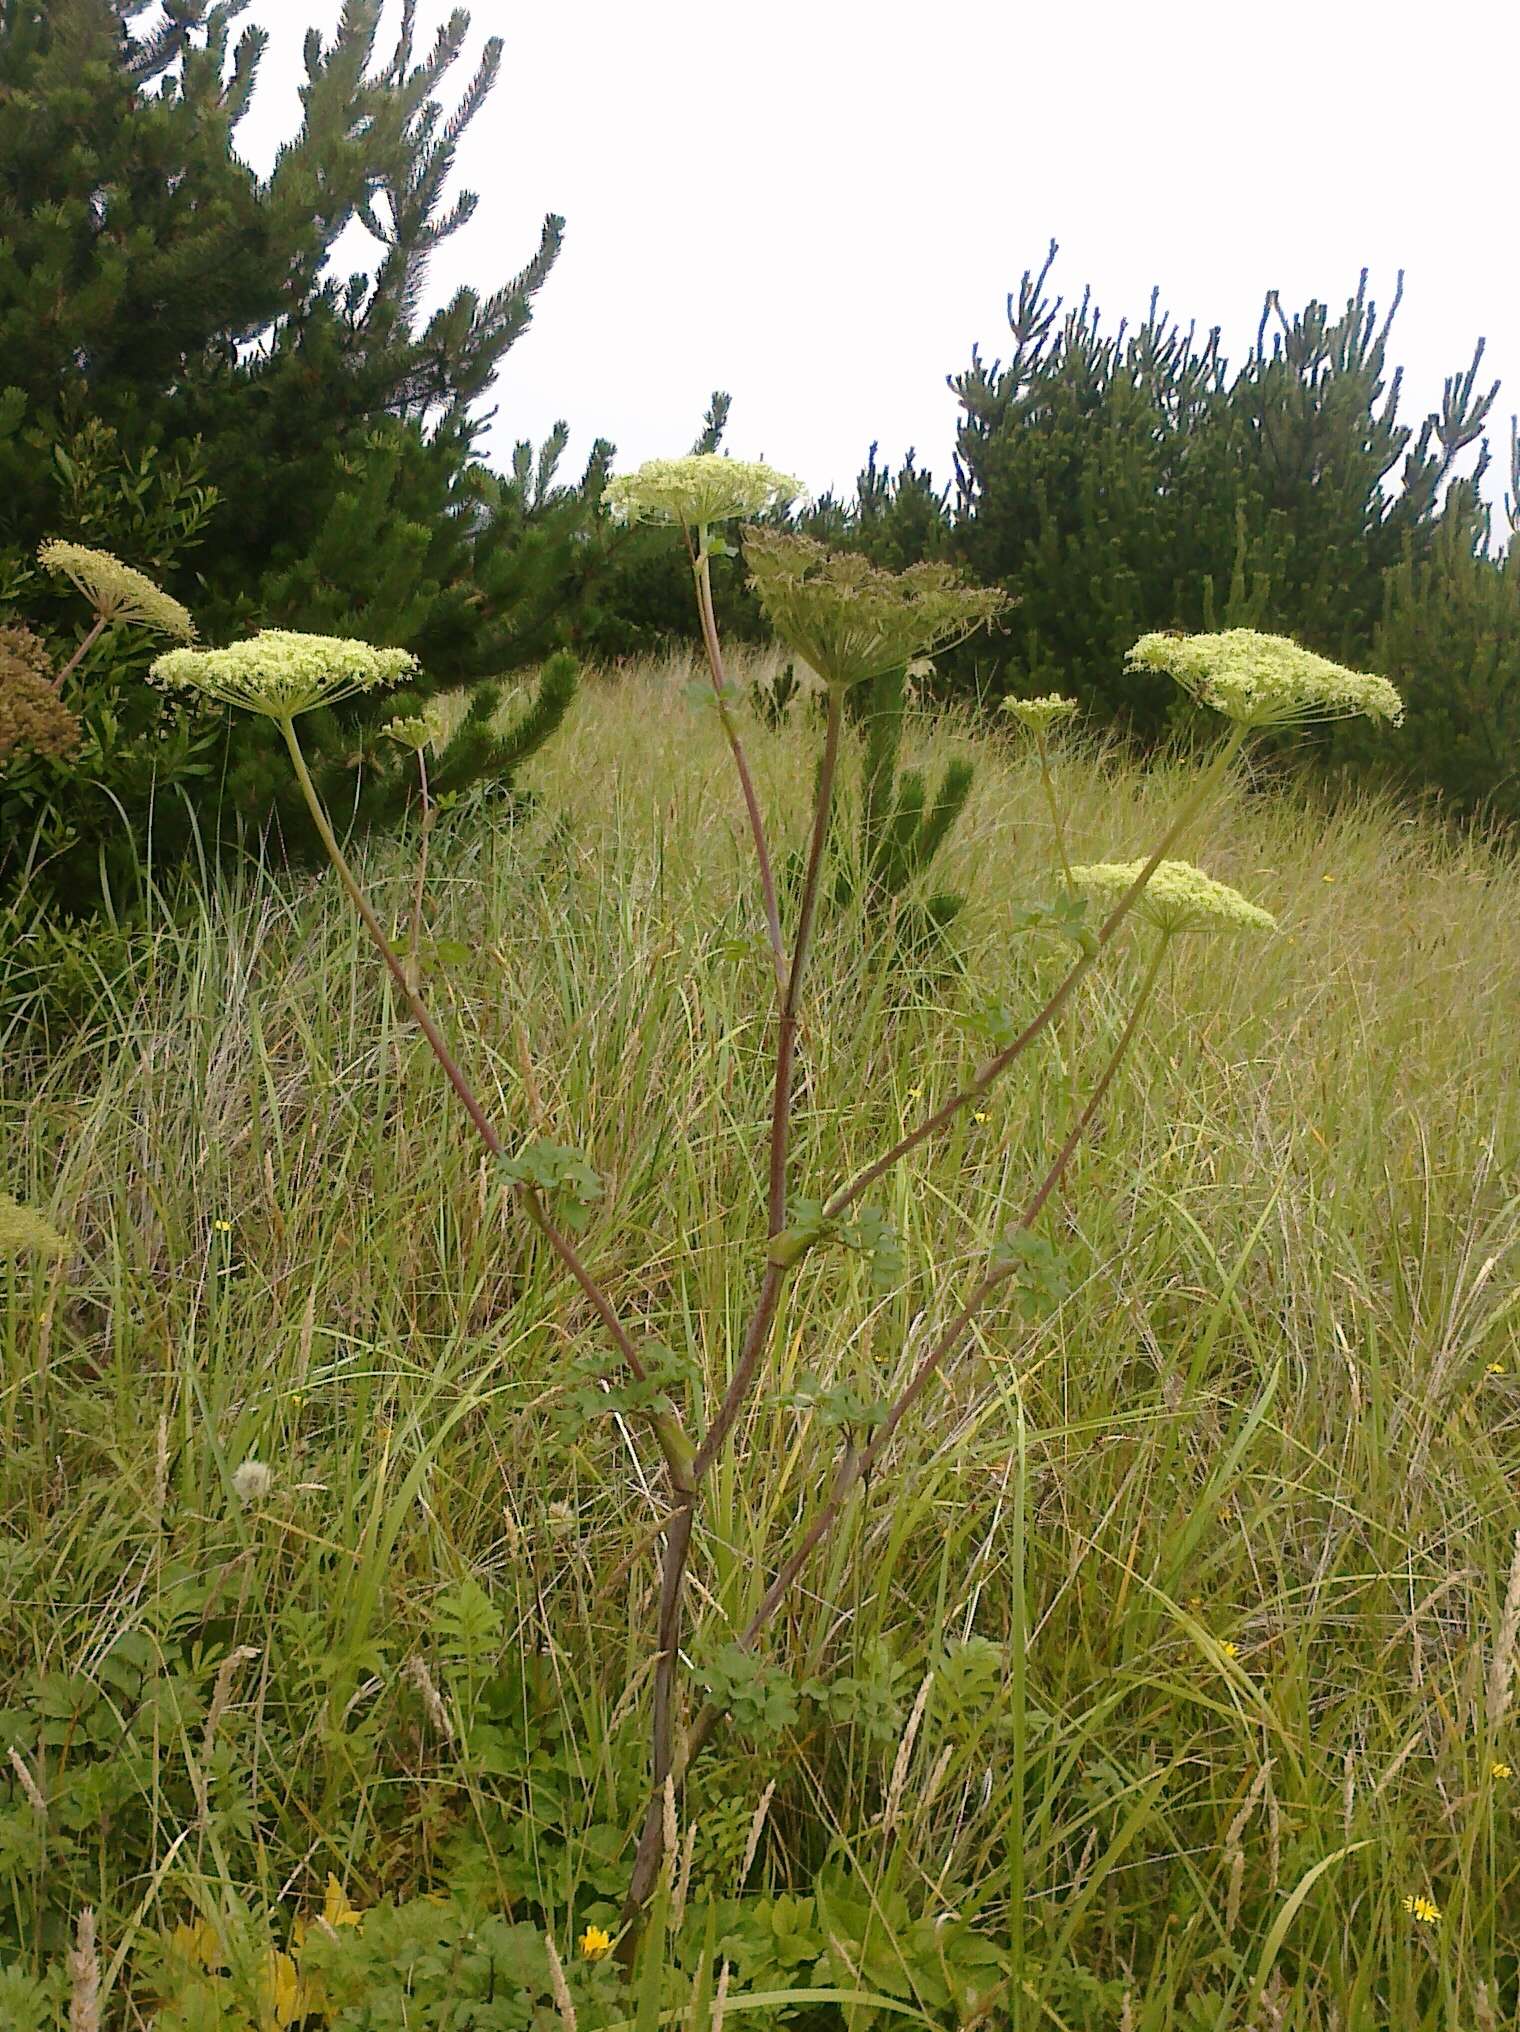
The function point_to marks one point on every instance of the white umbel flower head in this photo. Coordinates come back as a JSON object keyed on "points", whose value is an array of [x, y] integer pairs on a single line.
{"points": [[25, 1232], [695, 491], [1039, 715], [1178, 897], [1265, 680], [116, 591], [252, 1482], [280, 673]]}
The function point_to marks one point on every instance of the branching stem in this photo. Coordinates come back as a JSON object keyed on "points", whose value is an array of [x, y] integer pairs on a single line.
{"points": [[673, 1442], [858, 1462], [1000, 1061]]}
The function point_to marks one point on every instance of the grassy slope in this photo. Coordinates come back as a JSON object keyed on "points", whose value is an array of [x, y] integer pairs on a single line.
{"points": [[1267, 1416]]}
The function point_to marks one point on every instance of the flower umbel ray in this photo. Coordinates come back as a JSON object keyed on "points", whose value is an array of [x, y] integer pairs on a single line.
{"points": [[1265, 680], [280, 673], [848, 619]]}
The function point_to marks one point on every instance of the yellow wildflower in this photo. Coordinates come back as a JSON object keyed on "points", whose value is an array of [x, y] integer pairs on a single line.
{"points": [[24, 1231], [595, 1943], [1425, 1910], [1229, 1649], [1500, 1770]]}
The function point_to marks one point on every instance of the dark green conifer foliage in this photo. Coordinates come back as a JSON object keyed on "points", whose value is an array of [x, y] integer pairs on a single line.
{"points": [[153, 286], [1449, 638], [901, 825], [1126, 481]]}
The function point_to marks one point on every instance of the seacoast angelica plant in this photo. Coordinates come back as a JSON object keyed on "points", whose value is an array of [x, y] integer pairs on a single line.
{"points": [[1038, 715], [34, 719]]}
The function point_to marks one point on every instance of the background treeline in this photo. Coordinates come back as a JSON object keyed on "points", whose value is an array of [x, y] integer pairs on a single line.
{"points": [[1122, 481], [188, 379]]}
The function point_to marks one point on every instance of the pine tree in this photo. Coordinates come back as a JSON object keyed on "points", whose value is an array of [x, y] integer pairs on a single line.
{"points": [[1118, 482], [1449, 637], [158, 295]]}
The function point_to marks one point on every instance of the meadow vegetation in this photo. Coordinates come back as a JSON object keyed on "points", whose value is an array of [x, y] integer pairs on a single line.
{"points": [[1166, 1681]]}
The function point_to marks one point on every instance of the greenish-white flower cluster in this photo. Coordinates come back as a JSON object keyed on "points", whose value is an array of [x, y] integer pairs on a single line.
{"points": [[116, 591], [1039, 715], [280, 673], [1265, 680], [698, 490], [848, 619], [23, 1232], [415, 730], [1178, 897]]}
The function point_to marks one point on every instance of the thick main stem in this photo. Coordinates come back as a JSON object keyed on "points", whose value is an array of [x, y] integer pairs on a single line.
{"points": [[673, 1442], [758, 1331], [757, 1334], [858, 1462]]}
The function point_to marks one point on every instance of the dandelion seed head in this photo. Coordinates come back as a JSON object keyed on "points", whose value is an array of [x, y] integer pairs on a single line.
{"points": [[116, 591], [252, 1482]]}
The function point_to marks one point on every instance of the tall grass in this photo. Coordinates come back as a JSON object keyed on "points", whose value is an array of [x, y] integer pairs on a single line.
{"points": [[1190, 1599]]}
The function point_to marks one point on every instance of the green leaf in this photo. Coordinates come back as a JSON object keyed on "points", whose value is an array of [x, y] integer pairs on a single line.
{"points": [[1041, 1271], [555, 1169], [807, 1225]]}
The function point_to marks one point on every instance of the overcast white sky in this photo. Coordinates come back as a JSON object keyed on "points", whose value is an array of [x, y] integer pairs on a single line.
{"points": [[820, 204]]}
